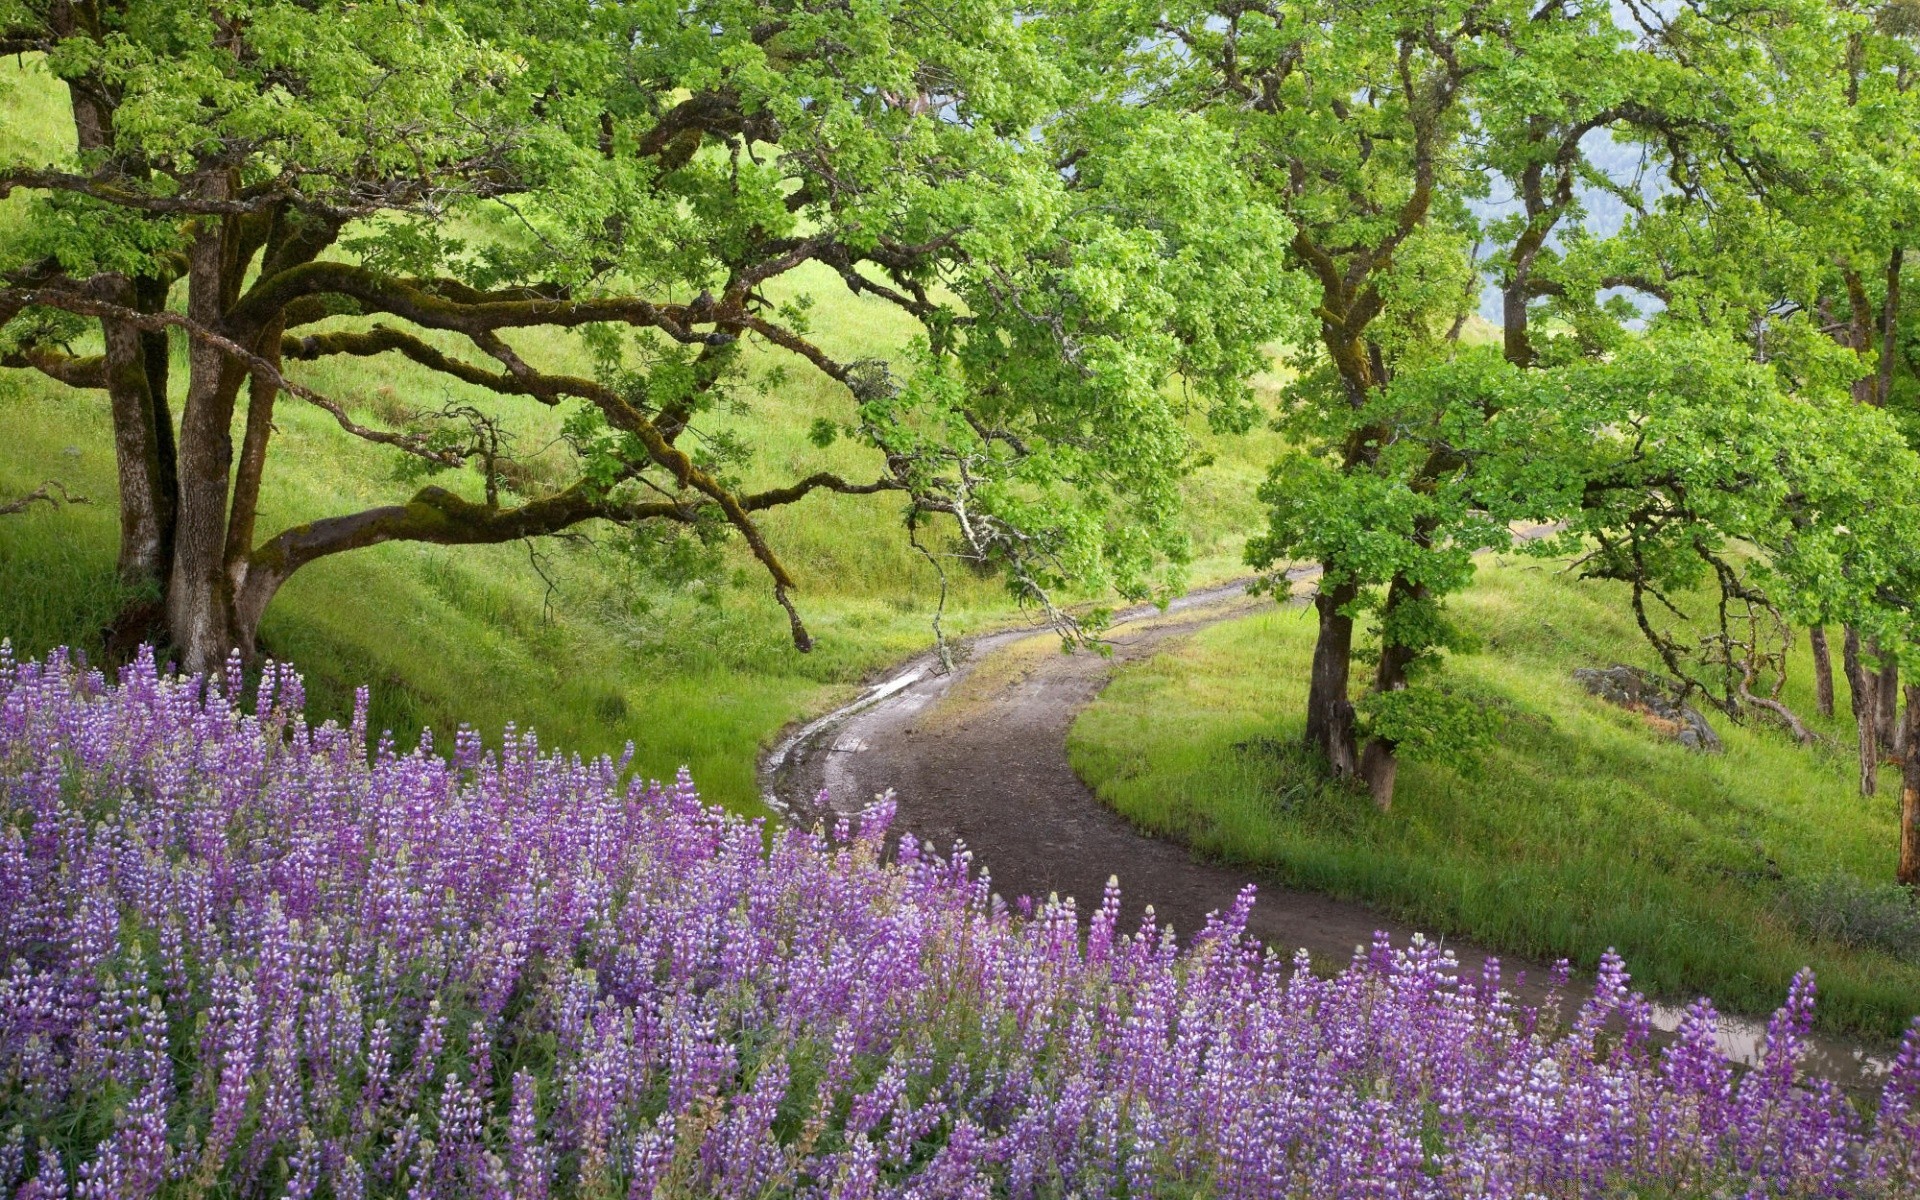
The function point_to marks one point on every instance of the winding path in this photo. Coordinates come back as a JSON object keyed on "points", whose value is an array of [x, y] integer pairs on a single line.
{"points": [[978, 756]]}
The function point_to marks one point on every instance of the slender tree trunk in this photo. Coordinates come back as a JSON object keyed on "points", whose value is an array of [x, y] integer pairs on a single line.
{"points": [[1909, 870], [152, 297], [1822, 671], [1329, 708], [1889, 326], [250, 604], [1886, 693], [1862, 683], [1515, 343], [253, 461], [1859, 335], [1380, 760], [1889, 731]]}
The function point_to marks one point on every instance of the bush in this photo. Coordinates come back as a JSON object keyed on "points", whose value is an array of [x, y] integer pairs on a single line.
{"points": [[247, 957], [1857, 913]]}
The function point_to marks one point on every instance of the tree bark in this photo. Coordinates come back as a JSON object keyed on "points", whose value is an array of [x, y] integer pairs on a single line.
{"points": [[1329, 708], [1909, 869], [1822, 670], [1380, 766], [245, 509], [1889, 326], [1863, 684], [1516, 345], [1886, 693], [1859, 335], [199, 614], [136, 385], [146, 502]]}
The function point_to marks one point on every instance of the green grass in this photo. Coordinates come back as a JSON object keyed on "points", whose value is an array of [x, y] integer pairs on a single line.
{"points": [[1579, 829], [694, 675]]}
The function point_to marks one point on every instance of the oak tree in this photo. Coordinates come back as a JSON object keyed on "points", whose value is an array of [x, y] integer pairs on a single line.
{"points": [[271, 185]]}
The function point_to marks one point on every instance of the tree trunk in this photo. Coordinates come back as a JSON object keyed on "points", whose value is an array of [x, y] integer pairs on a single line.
{"points": [[1380, 766], [253, 461], [1822, 671], [1329, 708], [199, 598], [1380, 762], [1909, 870], [1886, 693], [1515, 343], [146, 501], [152, 297], [1862, 683], [136, 365], [1889, 327]]}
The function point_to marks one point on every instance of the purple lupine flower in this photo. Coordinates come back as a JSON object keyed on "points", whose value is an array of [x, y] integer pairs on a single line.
{"points": [[528, 1163], [264, 958]]}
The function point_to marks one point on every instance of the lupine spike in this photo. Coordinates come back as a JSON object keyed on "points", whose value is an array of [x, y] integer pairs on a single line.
{"points": [[264, 962]]}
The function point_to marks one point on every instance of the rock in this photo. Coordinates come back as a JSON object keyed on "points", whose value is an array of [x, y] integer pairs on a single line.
{"points": [[1654, 698]]}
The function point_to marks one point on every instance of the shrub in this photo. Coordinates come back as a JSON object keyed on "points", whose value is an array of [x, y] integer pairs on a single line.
{"points": [[248, 957], [1856, 913]]}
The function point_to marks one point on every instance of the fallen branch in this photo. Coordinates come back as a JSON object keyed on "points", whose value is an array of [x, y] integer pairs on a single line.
{"points": [[42, 494]]}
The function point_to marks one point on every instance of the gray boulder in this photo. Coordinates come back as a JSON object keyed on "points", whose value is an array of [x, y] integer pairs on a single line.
{"points": [[1656, 699]]}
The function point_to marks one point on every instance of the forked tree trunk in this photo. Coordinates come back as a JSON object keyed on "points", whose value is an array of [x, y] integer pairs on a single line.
{"points": [[1822, 671], [1909, 869], [1863, 683], [1329, 708]]}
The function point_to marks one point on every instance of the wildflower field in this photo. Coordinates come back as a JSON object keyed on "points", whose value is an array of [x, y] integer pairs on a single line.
{"points": [[245, 956]]}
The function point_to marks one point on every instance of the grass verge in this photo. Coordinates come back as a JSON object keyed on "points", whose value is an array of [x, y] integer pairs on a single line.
{"points": [[1579, 829]]}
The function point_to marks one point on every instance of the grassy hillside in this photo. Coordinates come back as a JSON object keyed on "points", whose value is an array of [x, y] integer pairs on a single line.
{"points": [[695, 674], [1581, 828]]}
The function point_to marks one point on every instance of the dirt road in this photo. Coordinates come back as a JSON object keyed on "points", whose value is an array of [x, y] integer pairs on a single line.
{"points": [[979, 756]]}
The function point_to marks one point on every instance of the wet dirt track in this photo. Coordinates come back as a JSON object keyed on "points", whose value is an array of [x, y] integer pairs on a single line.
{"points": [[978, 756]]}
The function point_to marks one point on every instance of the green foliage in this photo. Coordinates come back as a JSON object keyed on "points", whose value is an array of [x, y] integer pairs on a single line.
{"points": [[1083, 275], [1856, 913], [1711, 440], [677, 657], [1432, 724], [1679, 461]]}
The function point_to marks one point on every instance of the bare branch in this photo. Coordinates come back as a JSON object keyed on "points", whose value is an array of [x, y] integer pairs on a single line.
{"points": [[91, 306], [44, 494]]}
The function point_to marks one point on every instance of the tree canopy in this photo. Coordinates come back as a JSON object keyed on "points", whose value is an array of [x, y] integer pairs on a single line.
{"points": [[1690, 370], [274, 184]]}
